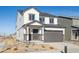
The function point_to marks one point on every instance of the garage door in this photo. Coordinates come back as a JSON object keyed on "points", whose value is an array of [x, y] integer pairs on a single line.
{"points": [[53, 36]]}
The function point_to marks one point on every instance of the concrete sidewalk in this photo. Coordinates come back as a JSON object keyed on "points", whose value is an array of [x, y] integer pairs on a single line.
{"points": [[59, 46], [72, 48]]}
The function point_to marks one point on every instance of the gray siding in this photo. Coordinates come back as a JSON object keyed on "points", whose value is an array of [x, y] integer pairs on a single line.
{"points": [[75, 22], [67, 23]]}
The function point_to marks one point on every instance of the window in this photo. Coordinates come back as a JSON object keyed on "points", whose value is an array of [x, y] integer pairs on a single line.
{"points": [[51, 20], [31, 16], [35, 30], [42, 19]]}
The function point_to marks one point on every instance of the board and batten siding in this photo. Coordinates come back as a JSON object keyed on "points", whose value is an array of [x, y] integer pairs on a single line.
{"points": [[20, 34], [55, 21], [30, 11], [19, 30], [19, 21], [47, 20]]}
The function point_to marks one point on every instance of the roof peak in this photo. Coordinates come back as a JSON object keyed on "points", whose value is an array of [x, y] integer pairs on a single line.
{"points": [[21, 11], [41, 13]]}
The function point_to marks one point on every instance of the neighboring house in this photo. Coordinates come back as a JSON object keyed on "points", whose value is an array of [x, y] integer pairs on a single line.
{"points": [[32, 24]]}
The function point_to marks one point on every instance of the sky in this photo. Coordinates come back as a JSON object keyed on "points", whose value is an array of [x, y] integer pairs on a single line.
{"points": [[8, 15]]}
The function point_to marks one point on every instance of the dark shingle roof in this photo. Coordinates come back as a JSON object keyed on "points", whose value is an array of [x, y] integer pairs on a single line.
{"points": [[46, 14], [20, 11], [41, 13], [54, 26], [64, 17]]}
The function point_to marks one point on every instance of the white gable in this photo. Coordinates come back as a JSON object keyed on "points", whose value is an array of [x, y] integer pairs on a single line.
{"points": [[30, 11], [36, 23]]}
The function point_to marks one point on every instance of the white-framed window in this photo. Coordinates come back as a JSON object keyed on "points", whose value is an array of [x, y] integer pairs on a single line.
{"points": [[42, 19], [51, 20], [19, 33], [31, 16]]}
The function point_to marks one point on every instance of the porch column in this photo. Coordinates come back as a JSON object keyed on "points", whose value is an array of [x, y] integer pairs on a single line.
{"points": [[27, 33], [31, 33], [42, 33]]}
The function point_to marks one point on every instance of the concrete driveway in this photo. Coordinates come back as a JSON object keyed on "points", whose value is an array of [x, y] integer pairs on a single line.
{"points": [[72, 48]]}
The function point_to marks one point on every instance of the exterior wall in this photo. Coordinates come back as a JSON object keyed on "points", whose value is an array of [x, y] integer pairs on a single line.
{"points": [[63, 22], [33, 11], [55, 20], [20, 34], [30, 11], [75, 22], [67, 23], [36, 23], [20, 21], [19, 24], [47, 20]]}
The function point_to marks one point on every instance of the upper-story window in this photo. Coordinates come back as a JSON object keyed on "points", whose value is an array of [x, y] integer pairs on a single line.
{"points": [[31, 16], [51, 20], [42, 19]]}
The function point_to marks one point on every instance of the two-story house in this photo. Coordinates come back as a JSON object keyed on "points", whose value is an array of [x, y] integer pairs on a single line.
{"points": [[32, 25]]}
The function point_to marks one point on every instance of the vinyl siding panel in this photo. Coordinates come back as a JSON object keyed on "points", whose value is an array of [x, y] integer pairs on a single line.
{"points": [[67, 23], [55, 20], [75, 22], [19, 24], [20, 34]]}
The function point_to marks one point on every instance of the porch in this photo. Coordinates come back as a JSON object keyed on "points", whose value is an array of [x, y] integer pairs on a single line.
{"points": [[75, 33], [34, 31]]}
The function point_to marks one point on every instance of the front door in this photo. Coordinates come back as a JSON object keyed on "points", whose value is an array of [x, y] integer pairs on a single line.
{"points": [[35, 34]]}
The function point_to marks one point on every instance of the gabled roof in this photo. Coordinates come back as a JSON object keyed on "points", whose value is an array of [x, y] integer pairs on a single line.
{"points": [[46, 14], [75, 17], [54, 26], [32, 22], [41, 13], [76, 26], [65, 17], [22, 11]]}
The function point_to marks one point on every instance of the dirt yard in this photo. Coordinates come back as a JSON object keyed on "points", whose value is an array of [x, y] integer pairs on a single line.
{"points": [[12, 46]]}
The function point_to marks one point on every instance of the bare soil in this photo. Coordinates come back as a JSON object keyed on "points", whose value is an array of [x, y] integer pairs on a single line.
{"points": [[12, 46]]}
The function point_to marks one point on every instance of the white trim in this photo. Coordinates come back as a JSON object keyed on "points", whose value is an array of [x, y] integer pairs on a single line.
{"points": [[55, 21], [36, 23], [57, 29], [27, 33], [42, 33]]}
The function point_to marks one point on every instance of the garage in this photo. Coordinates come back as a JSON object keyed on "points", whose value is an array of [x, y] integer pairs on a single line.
{"points": [[53, 36]]}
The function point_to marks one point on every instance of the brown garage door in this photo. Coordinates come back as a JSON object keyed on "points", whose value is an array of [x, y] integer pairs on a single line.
{"points": [[53, 36]]}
